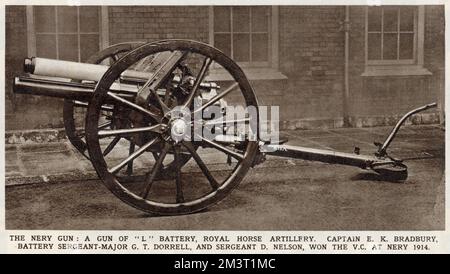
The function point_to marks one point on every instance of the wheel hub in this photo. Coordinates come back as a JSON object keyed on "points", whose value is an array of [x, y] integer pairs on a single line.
{"points": [[178, 129]]}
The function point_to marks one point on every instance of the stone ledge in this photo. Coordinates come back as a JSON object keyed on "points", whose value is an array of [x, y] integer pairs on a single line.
{"points": [[319, 123], [375, 121], [358, 122], [14, 137], [395, 70]]}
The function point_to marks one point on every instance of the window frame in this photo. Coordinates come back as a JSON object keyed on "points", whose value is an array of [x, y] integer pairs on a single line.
{"points": [[417, 47], [31, 30], [273, 36]]}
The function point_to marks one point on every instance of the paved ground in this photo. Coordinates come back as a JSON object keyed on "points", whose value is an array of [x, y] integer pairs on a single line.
{"points": [[52, 187]]}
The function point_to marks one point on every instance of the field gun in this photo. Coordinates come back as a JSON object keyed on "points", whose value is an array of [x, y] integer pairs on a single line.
{"points": [[158, 100]]}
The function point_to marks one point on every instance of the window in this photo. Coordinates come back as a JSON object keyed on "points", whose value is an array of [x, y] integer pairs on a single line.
{"points": [[248, 34], [394, 41], [391, 34], [242, 32], [70, 33]]}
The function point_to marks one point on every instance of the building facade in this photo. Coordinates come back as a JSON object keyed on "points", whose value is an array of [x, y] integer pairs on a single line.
{"points": [[325, 66]]}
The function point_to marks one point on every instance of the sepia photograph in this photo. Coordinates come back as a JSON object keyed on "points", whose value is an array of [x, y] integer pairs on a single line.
{"points": [[224, 117]]}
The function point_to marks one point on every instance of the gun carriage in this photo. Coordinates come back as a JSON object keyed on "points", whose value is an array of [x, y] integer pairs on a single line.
{"points": [[149, 98]]}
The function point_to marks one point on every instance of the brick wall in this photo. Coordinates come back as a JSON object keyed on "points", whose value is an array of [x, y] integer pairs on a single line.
{"points": [[16, 50], [16, 41], [434, 54], [311, 56], [156, 23]]}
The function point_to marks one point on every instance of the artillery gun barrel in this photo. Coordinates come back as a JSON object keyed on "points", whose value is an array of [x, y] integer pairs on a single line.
{"points": [[54, 78], [75, 70], [64, 89]]}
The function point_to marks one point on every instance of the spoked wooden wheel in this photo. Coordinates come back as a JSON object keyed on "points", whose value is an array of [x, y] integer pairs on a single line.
{"points": [[218, 166]]}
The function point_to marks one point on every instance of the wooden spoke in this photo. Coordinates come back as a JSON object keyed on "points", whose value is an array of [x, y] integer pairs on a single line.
{"points": [[201, 75], [152, 175], [82, 134], [104, 125], [202, 165], [227, 122], [80, 104], [225, 150], [85, 105], [217, 97], [134, 106], [178, 182], [111, 145], [156, 156], [130, 163], [133, 156], [125, 131]]}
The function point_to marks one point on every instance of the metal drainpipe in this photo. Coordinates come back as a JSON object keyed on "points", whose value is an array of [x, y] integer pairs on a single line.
{"points": [[346, 57]]}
